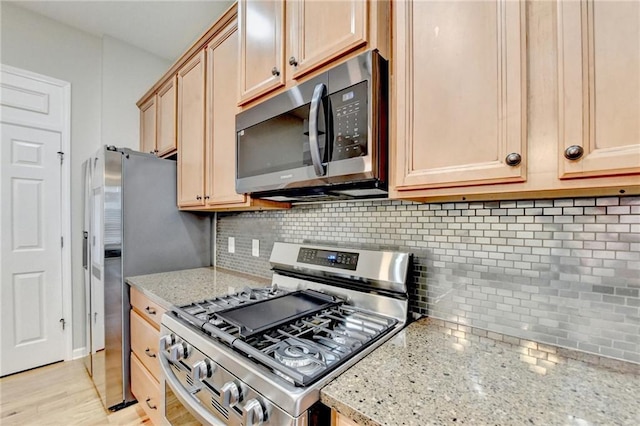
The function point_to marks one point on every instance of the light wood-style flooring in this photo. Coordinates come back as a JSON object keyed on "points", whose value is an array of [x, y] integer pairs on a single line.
{"points": [[59, 394]]}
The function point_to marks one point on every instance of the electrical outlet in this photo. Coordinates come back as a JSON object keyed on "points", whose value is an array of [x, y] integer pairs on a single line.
{"points": [[231, 244], [255, 248]]}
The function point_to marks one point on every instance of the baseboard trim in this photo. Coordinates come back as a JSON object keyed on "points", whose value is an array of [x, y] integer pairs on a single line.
{"points": [[79, 353]]}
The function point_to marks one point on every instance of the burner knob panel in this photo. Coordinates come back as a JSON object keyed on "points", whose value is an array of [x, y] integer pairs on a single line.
{"points": [[253, 413], [203, 370], [179, 351], [229, 395]]}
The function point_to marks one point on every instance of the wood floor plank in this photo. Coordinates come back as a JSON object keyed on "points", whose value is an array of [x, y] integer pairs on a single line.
{"points": [[59, 394]]}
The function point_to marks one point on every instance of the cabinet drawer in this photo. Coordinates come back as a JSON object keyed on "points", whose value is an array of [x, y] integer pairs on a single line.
{"points": [[147, 309], [146, 390], [144, 343]]}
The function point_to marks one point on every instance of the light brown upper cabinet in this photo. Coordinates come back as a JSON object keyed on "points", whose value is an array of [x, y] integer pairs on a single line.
{"points": [[158, 121], [262, 47], [148, 125], [191, 132], [599, 88], [167, 101], [276, 51], [461, 93], [222, 79], [490, 98], [207, 106], [222, 101], [319, 31]]}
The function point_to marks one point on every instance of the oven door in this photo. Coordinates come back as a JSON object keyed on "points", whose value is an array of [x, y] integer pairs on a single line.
{"points": [[180, 407]]}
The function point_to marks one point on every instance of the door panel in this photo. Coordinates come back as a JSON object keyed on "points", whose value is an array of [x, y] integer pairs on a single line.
{"points": [[460, 93], [262, 47], [31, 301], [167, 104], [222, 73], [191, 128], [599, 87], [148, 126], [323, 30]]}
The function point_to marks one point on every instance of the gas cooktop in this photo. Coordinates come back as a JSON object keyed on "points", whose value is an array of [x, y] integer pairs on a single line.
{"points": [[277, 346]]}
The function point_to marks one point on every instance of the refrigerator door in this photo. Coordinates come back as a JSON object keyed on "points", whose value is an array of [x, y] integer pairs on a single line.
{"points": [[106, 275], [86, 261]]}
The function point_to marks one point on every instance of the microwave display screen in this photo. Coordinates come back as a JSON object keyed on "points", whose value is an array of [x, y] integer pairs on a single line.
{"points": [[347, 96], [350, 113]]}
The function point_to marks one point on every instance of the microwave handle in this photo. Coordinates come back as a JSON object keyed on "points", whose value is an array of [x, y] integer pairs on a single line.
{"points": [[316, 101]]}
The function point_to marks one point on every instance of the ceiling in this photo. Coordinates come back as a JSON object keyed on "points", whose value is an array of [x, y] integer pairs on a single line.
{"points": [[165, 28]]}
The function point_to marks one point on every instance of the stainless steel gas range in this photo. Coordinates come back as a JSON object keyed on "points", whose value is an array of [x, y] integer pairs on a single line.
{"points": [[261, 356]]}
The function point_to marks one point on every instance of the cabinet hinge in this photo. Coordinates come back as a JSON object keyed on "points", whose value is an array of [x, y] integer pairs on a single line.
{"points": [[61, 156]]}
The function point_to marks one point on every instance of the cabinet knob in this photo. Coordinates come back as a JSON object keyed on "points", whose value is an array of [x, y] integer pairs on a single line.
{"points": [[275, 72], [206, 197], [293, 62], [198, 197], [574, 152], [513, 159]]}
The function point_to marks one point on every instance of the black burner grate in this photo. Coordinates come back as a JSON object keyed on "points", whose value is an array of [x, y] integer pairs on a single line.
{"points": [[302, 350]]}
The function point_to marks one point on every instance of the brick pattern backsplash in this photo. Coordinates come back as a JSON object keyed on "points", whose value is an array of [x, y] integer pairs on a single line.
{"points": [[564, 272]]}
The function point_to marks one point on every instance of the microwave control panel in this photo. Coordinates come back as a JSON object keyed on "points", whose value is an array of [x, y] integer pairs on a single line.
{"points": [[350, 124], [334, 259]]}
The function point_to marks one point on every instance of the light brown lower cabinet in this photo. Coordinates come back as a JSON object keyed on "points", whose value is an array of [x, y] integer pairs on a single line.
{"points": [[146, 389], [338, 419], [145, 365]]}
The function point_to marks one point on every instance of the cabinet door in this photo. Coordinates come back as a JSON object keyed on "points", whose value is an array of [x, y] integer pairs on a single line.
{"points": [[261, 47], [191, 139], [146, 389], [599, 87], [148, 126], [144, 343], [459, 93], [167, 104], [222, 78], [320, 31]]}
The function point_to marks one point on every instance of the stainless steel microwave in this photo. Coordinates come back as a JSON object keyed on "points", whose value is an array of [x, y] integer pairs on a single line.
{"points": [[324, 139]]}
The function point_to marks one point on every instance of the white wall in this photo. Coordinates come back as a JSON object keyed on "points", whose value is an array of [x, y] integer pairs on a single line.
{"points": [[127, 73], [107, 77]]}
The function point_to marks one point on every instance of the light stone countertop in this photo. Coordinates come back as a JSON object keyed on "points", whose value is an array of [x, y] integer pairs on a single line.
{"points": [[436, 373], [191, 285]]}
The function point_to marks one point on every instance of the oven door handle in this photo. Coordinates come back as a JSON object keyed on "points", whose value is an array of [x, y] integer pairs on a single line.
{"points": [[190, 402], [314, 113]]}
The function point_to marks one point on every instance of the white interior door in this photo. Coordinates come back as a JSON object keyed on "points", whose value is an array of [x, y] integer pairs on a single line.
{"points": [[32, 334], [33, 123]]}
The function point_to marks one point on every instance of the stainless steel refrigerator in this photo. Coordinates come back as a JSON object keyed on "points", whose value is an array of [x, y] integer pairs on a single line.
{"points": [[132, 226]]}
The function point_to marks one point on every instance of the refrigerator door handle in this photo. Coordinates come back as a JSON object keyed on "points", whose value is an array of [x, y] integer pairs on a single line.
{"points": [[85, 252]]}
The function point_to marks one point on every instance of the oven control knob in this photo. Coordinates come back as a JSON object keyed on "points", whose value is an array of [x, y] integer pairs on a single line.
{"points": [[167, 341], [203, 369], [253, 413], [179, 351], [229, 395]]}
